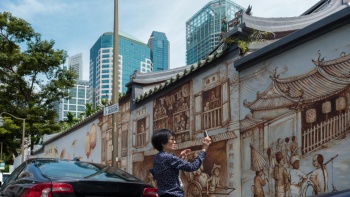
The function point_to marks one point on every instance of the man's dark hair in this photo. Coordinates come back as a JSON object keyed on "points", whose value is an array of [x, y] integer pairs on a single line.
{"points": [[161, 137]]}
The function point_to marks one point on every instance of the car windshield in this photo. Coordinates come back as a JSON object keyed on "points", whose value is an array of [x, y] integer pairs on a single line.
{"points": [[4, 177], [77, 169]]}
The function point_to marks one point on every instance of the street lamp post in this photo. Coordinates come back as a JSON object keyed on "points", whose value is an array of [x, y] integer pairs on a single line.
{"points": [[115, 90], [1, 151], [23, 132]]}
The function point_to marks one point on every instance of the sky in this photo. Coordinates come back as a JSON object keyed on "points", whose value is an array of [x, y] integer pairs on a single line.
{"points": [[75, 25]]}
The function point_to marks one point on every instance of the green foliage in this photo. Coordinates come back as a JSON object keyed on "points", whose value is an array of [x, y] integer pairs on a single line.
{"points": [[252, 38], [31, 80], [71, 119], [88, 109]]}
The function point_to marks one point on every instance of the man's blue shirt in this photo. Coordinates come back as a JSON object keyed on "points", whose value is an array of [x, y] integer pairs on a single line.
{"points": [[166, 171]]}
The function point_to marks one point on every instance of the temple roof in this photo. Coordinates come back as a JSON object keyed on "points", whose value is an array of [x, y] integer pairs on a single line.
{"points": [[165, 78], [290, 24], [328, 78], [155, 77], [337, 17], [269, 99], [249, 122], [337, 70]]}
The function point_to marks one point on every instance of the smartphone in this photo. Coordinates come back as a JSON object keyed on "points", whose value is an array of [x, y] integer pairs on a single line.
{"points": [[205, 133]]}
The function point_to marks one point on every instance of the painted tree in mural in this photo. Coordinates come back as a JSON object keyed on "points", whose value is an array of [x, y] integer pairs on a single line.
{"points": [[31, 79]]}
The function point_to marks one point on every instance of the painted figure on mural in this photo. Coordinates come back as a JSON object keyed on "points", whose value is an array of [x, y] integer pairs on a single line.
{"points": [[296, 177], [294, 146], [287, 151], [182, 124], [214, 181], [280, 175], [206, 107], [151, 180], [212, 96], [259, 182], [199, 175], [162, 111], [279, 145], [271, 163], [142, 128], [319, 176]]}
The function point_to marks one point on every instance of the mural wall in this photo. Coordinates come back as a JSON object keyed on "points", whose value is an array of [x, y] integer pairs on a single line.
{"points": [[84, 143], [294, 111], [200, 104]]}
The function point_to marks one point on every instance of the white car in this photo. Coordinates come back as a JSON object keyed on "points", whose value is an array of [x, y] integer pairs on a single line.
{"points": [[3, 177]]}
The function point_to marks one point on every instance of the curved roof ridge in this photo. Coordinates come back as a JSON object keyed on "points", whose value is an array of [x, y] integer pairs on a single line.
{"points": [[155, 77], [249, 122], [294, 78], [170, 79], [268, 99], [342, 59], [281, 24]]}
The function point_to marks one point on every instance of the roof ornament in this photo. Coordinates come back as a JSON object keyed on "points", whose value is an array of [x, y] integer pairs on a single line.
{"points": [[133, 76], [246, 103], [319, 60], [274, 74], [249, 10], [258, 94]]}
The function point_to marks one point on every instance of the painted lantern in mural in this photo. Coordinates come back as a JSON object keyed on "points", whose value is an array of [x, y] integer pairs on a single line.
{"points": [[326, 107], [93, 136], [340, 103], [311, 115], [63, 154], [87, 145]]}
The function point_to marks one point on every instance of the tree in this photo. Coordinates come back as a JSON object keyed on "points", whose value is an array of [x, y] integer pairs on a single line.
{"points": [[31, 77], [252, 38], [70, 119], [88, 109]]}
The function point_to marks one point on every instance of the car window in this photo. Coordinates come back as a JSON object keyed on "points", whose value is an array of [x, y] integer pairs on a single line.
{"points": [[5, 176], [13, 176], [76, 169]]}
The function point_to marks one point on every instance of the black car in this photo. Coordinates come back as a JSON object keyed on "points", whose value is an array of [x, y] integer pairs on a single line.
{"points": [[44, 177]]}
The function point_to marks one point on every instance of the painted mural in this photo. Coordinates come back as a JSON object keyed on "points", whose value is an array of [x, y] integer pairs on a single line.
{"points": [[106, 128], [173, 111], [188, 112], [83, 144], [294, 131]]}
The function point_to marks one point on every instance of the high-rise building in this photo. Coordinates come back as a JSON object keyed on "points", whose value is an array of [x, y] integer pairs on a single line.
{"points": [[75, 63], [79, 94], [204, 28], [77, 103], [160, 51], [133, 55]]}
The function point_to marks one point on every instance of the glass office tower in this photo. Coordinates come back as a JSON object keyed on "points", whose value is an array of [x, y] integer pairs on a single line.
{"points": [[80, 93], [160, 51], [75, 63], [204, 28], [133, 55], [77, 103]]}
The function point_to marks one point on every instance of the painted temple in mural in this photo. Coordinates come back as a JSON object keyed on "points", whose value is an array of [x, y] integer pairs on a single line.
{"points": [[280, 126], [298, 117]]}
